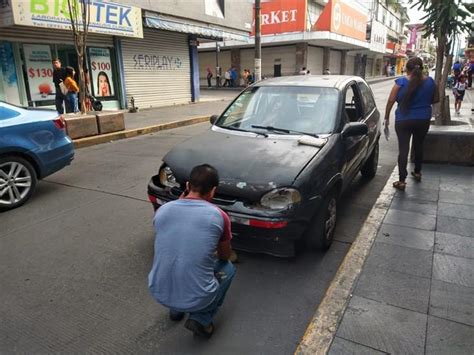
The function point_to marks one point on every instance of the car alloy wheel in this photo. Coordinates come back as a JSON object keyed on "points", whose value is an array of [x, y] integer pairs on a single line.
{"points": [[17, 181], [330, 224]]}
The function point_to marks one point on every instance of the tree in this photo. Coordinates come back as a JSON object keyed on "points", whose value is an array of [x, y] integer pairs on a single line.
{"points": [[444, 19], [79, 14]]}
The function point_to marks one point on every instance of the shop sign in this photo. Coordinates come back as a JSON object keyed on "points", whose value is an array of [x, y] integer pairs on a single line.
{"points": [[281, 16], [341, 18], [39, 71], [101, 72], [378, 37], [105, 17], [156, 62]]}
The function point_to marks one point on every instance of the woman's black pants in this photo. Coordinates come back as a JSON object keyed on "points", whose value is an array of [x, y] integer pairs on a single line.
{"points": [[405, 130]]}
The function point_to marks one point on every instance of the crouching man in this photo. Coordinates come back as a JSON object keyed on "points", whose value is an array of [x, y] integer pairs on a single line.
{"points": [[191, 271]]}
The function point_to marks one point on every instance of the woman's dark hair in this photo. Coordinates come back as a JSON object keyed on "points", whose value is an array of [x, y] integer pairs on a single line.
{"points": [[203, 179], [414, 68], [70, 71]]}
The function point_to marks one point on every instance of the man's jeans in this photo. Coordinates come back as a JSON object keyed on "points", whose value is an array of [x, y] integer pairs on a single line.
{"points": [[224, 271]]}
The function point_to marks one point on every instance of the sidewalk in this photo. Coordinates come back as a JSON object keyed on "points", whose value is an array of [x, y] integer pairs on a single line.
{"points": [[415, 293]]}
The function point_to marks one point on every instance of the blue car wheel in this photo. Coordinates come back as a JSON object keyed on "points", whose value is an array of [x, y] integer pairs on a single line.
{"points": [[17, 182]]}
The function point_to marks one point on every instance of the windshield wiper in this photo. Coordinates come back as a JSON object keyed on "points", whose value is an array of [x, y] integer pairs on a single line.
{"points": [[243, 130], [284, 130]]}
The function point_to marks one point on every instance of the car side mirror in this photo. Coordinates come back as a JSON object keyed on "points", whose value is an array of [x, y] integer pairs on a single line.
{"points": [[354, 129], [213, 119]]}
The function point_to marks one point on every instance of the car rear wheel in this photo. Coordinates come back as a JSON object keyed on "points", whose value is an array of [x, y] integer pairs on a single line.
{"points": [[17, 182], [320, 234], [369, 169]]}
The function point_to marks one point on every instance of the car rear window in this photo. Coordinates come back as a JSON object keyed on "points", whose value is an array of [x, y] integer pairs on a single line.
{"points": [[6, 113]]}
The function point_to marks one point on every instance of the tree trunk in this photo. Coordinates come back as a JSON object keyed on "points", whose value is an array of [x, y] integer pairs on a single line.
{"points": [[438, 108], [82, 85], [445, 116]]}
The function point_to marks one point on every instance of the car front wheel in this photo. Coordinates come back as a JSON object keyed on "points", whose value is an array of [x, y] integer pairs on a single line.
{"points": [[369, 169], [17, 182], [320, 234]]}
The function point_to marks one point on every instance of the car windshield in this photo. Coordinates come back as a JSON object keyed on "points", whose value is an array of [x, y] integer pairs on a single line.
{"points": [[283, 110]]}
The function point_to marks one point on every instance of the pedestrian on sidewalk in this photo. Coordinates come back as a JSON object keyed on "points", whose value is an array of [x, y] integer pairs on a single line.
{"points": [[457, 71], [59, 75], [191, 270], [73, 90], [458, 91], [470, 73], [227, 78], [209, 77], [303, 71], [414, 93], [233, 77]]}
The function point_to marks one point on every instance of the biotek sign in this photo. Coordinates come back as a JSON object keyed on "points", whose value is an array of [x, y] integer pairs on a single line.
{"points": [[281, 16], [105, 17]]}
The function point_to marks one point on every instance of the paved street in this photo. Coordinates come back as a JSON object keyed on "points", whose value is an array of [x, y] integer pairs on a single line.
{"points": [[76, 257]]}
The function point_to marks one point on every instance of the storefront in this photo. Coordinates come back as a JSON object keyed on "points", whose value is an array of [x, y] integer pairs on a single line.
{"points": [[33, 33]]}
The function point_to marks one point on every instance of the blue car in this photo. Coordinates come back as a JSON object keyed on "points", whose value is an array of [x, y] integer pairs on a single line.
{"points": [[33, 145]]}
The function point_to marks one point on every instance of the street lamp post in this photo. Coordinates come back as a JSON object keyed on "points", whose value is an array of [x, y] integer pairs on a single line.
{"points": [[258, 46]]}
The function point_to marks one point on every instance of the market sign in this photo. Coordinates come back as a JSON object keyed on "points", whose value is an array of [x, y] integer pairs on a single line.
{"points": [[341, 18], [105, 17], [281, 16], [378, 37]]}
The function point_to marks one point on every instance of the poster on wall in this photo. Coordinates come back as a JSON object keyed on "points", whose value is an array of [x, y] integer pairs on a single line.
{"points": [[39, 71], [9, 83], [101, 72]]}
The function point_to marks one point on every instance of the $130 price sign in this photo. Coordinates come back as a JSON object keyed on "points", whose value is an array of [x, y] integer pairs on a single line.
{"points": [[40, 73]]}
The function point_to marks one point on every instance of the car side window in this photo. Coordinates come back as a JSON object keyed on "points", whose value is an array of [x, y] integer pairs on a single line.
{"points": [[6, 113], [367, 97], [353, 104]]}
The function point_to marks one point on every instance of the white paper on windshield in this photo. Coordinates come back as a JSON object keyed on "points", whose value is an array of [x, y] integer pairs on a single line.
{"points": [[312, 141]]}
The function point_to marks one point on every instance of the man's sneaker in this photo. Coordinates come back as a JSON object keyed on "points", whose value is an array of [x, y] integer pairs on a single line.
{"points": [[176, 316], [198, 329]]}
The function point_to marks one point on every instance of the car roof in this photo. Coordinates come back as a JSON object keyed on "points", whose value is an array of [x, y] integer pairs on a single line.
{"points": [[327, 81]]}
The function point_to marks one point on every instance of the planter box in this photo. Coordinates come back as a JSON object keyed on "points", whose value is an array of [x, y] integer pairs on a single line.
{"points": [[454, 147], [108, 122], [79, 126]]}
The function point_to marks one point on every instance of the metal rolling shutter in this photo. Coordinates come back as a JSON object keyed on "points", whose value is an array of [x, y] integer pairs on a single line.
{"points": [[315, 60], [369, 67], [152, 87], [285, 55], [335, 62], [208, 59], [247, 59], [46, 36], [350, 60]]}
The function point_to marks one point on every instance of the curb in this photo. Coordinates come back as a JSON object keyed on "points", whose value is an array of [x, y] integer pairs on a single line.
{"points": [[323, 326], [130, 133], [382, 79]]}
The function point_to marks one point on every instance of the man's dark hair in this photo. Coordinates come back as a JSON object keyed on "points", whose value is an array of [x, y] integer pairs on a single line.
{"points": [[56, 60], [203, 179]]}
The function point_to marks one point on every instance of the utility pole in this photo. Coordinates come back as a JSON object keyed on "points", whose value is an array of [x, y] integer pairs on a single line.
{"points": [[258, 46], [218, 69]]}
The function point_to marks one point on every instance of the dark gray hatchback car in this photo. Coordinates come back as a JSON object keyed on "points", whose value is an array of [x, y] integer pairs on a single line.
{"points": [[285, 149]]}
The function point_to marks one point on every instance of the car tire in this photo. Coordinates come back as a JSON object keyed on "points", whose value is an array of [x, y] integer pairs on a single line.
{"points": [[17, 182], [320, 233], [369, 169]]}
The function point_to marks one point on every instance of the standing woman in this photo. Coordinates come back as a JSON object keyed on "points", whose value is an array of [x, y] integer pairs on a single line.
{"points": [[414, 93], [72, 89]]}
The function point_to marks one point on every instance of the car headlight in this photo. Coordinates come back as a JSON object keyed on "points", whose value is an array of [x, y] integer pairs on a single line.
{"points": [[167, 177], [280, 199]]}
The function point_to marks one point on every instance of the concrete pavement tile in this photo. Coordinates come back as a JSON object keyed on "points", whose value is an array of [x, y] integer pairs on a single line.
{"points": [[456, 210], [410, 219], [394, 288], [406, 237], [445, 337], [401, 259], [451, 301], [343, 347], [454, 245], [463, 198], [419, 193], [454, 225], [453, 269], [455, 186], [406, 204], [380, 326]]}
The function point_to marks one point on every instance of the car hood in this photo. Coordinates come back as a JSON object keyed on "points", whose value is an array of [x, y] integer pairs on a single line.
{"points": [[248, 166]]}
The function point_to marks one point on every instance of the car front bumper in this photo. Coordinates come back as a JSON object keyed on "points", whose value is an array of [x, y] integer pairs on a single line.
{"points": [[269, 232]]}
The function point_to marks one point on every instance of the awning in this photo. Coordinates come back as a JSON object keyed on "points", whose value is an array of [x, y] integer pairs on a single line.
{"points": [[170, 23]]}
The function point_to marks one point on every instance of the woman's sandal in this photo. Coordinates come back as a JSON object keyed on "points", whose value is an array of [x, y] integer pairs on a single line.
{"points": [[416, 176], [400, 185]]}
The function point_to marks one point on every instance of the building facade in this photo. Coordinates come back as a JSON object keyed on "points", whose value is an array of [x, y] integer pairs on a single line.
{"points": [[136, 49]]}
